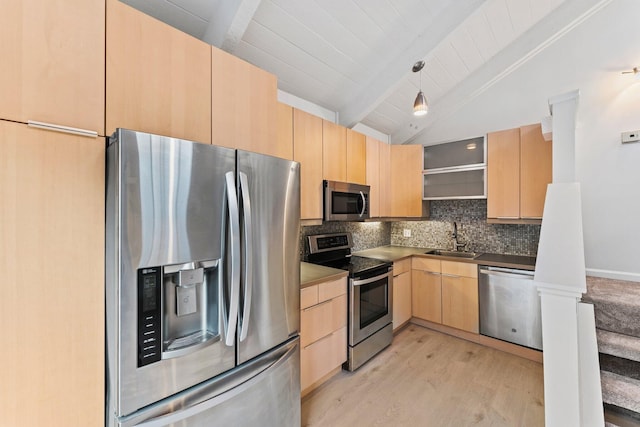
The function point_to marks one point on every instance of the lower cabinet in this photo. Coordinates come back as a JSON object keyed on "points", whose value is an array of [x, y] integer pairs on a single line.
{"points": [[460, 296], [323, 331], [401, 292], [445, 292]]}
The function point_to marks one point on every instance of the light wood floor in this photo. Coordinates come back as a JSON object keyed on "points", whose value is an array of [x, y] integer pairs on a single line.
{"points": [[426, 378]]}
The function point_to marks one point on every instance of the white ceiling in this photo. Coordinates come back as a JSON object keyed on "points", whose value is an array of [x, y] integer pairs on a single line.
{"points": [[354, 57]]}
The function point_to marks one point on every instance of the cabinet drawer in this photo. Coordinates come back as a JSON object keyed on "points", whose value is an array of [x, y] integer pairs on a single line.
{"points": [[322, 319], [401, 266], [308, 296], [426, 264], [465, 269], [332, 289], [323, 356]]}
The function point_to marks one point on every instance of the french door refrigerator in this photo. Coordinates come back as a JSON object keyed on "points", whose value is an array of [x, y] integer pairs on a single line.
{"points": [[202, 285]]}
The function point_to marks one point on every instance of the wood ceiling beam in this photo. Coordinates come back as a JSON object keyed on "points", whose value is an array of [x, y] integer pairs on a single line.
{"points": [[229, 22]]}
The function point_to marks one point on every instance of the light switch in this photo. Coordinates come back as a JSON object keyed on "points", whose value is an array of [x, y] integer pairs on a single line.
{"points": [[186, 300], [406, 232]]}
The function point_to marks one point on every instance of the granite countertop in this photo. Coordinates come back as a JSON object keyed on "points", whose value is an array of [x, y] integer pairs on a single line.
{"points": [[312, 274], [395, 253]]}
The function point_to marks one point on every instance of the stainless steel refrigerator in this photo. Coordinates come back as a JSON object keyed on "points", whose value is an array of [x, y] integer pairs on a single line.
{"points": [[202, 285]]}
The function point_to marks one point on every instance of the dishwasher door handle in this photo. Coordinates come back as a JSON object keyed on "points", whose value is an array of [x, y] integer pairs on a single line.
{"points": [[507, 272]]}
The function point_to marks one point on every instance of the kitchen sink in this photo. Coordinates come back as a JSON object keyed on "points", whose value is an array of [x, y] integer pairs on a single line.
{"points": [[455, 254]]}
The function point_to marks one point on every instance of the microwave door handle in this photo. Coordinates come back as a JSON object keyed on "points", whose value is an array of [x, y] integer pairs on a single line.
{"points": [[248, 256], [364, 204], [234, 225]]}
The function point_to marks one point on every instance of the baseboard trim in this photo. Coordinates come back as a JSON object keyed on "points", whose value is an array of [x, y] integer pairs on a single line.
{"points": [[611, 274]]}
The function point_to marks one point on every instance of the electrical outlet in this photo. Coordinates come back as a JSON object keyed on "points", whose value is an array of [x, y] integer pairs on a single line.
{"points": [[406, 232], [631, 136]]}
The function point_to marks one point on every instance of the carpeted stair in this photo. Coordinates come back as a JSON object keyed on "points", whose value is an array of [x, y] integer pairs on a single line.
{"points": [[617, 310]]}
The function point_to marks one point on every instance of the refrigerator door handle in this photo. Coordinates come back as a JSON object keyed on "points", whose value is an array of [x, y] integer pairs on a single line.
{"points": [[228, 389], [234, 220], [248, 255]]}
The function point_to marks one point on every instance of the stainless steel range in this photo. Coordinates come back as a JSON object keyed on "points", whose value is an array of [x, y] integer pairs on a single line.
{"points": [[370, 295]]}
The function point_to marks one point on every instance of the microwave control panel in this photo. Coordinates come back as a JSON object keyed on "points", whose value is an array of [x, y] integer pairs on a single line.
{"points": [[149, 334]]}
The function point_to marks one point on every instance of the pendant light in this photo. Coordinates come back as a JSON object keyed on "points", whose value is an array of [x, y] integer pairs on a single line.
{"points": [[420, 106]]}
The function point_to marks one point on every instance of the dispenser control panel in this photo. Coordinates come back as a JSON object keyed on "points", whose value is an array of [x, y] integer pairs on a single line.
{"points": [[149, 333]]}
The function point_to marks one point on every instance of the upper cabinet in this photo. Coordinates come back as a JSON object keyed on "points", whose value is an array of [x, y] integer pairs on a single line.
{"points": [[373, 175], [307, 149], [53, 62], [284, 139], [406, 181], [356, 157], [158, 78], [334, 152], [518, 171], [244, 106]]}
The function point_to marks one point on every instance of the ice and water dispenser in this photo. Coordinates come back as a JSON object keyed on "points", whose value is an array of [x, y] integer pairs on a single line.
{"points": [[177, 309]]}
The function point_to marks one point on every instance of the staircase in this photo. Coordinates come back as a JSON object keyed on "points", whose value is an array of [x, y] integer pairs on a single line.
{"points": [[617, 310]]}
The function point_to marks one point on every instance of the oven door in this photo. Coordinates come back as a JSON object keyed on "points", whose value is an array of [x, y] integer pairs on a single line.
{"points": [[370, 306]]}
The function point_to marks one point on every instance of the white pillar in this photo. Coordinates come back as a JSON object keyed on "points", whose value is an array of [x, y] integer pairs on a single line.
{"points": [[564, 109]]}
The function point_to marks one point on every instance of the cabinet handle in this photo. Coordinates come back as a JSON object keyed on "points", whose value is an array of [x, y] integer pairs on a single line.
{"points": [[508, 217], [317, 305], [320, 339], [531, 217], [450, 275], [63, 129], [430, 272]]}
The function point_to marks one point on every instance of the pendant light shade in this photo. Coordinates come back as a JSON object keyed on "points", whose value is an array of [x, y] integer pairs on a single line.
{"points": [[420, 106]]}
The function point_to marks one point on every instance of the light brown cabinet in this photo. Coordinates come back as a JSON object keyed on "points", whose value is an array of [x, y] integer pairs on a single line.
{"points": [[426, 284], [52, 261], [307, 149], [284, 148], [356, 157], [53, 62], [460, 295], [244, 106], [158, 78], [401, 292], [445, 292], [518, 171], [323, 331], [334, 152], [385, 185], [406, 181], [372, 168]]}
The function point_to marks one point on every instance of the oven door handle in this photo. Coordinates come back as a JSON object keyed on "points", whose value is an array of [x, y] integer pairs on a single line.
{"points": [[356, 282]]}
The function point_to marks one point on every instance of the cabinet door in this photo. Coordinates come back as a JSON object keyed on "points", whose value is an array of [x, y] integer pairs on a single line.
{"points": [[53, 62], [307, 149], [322, 319], [426, 295], [460, 302], [401, 299], [535, 171], [406, 180], [503, 174], [385, 180], [334, 152], [356, 157], [323, 356], [158, 78], [243, 104], [52, 262], [284, 142], [373, 175]]}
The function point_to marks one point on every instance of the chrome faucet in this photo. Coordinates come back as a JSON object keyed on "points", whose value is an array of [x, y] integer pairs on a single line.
{"points": [[457, 245]]}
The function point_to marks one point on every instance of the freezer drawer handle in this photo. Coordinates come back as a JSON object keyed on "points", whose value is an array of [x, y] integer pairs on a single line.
{"points": [[231, 390], [248, 256], [234, 219]]}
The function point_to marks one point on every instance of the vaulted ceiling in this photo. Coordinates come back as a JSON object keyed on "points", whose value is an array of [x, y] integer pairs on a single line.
{"points": [[354, 57]]}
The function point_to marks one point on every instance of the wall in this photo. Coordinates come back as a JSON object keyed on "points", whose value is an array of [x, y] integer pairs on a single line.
{"points": [[471, 216], [366, 235], [589, 58]]}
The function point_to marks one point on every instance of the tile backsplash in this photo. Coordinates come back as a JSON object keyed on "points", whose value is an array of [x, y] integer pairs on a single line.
{"points": [[471, 216], [366, 235]]}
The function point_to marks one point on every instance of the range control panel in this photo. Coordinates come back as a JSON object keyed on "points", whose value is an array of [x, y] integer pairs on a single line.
{"points": [[149, 338]]}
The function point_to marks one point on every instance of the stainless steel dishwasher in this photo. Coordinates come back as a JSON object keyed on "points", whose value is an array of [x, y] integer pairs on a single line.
{"points": [[509, 306]]}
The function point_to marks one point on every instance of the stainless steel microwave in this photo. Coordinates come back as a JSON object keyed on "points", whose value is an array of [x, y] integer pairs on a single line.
{"points": [[344, 201]]}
